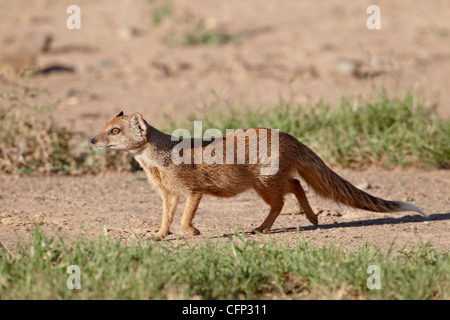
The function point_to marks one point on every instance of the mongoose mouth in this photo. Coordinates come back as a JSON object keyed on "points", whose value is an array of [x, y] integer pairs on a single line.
{"points": [[109, 146]]}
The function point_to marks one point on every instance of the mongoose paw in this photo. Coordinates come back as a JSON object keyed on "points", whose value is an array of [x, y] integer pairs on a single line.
{"points": [[261, 230], [159, 236], [313, 220], [193, 231]]}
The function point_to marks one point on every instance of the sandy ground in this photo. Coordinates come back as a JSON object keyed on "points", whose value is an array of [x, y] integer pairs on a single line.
{"points": [[286, 50], [289, 49], [127, 206]]}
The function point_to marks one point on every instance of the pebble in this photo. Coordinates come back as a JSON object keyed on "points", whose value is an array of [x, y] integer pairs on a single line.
{"points": [[333, 213], [81, 67], [375, 62], [348, 66], [210, 23], [127, 33], [364, 186], [72, 101], [69, 93], [39, 42], [107, 62]]}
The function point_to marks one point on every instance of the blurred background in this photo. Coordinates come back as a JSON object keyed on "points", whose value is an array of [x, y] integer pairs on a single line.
{"points": [[174, 57]]}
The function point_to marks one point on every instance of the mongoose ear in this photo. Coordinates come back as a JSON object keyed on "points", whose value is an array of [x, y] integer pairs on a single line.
{"points": [[138, 123], [120, 114]]}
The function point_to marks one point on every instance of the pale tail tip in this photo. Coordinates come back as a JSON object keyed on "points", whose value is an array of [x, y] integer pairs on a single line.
{"points": [[423, 213], [405, 206]]}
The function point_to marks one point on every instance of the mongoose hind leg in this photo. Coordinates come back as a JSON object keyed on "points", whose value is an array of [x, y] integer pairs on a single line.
{"points": [[297, 190], [276, 201]]}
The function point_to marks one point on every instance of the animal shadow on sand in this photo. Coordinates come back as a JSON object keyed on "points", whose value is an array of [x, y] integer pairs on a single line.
{"points": [[369, 222], [344, 224], [359, 223]]}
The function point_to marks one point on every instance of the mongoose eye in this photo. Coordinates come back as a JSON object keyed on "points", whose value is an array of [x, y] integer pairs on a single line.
{"points": [[115, 131]]}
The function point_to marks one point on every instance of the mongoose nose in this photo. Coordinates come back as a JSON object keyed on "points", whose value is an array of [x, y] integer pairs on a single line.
{"points": [[93, 141]]}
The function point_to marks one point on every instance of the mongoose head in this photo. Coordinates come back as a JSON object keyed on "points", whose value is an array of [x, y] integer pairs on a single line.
{"points": [[122, 133]]}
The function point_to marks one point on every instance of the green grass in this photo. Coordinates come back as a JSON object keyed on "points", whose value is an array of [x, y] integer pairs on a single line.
{"points": [[199, 35], [161, 12], [385, 132], [218, 269], [31, 141]]}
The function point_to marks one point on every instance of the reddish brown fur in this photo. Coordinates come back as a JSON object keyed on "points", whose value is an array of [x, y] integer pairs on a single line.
{"points": [[152, 149]]}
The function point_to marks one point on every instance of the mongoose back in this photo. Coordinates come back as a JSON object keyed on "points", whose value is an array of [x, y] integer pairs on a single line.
{"points": [[271, 163]]}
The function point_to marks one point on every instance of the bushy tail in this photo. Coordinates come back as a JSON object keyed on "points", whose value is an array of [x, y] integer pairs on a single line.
{"points": [[328, 184]]}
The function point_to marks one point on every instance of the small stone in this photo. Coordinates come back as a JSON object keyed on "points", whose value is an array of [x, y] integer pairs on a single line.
{"points": [[375, 62], [107, 63], [336, 213], [127, 33], [72, 101], [333, 213], [69, 93], [81, 67], [211, 23], [90, 96], [348, 66], [39, 42], [364, 186]]}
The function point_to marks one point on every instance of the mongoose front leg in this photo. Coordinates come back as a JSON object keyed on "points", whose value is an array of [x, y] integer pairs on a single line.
{"points": [[192, 202], [268, 222], [170, 204]]}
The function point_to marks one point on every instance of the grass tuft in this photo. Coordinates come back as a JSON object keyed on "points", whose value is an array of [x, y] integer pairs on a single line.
{"points": [[161, 12], [234, 268], [200, 35], [31, 141], [385, 132]]}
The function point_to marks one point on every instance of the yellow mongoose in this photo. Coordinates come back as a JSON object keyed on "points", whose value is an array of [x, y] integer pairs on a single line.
{"points": [[194, 167]]}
